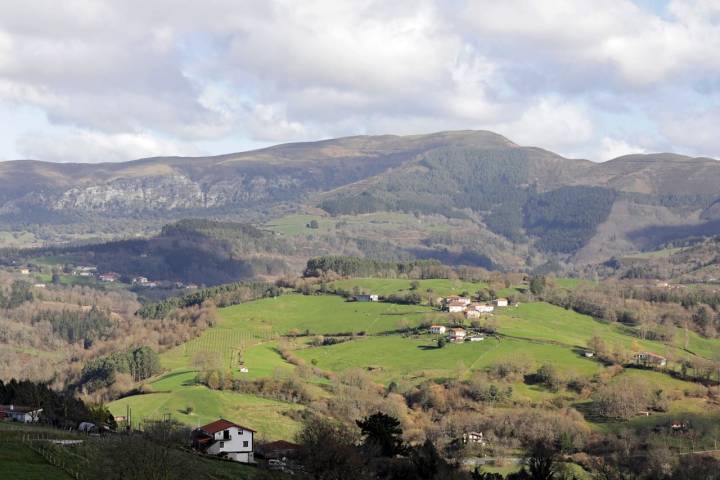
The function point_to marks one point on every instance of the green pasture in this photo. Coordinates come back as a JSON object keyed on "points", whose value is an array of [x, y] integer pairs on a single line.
{"points": [[320, 314], [261, 414], [542, 321], [394, 357], [17, 460]]}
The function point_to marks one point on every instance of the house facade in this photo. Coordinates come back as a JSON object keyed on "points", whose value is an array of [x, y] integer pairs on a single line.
{"points": [[473, 437], [481, 307], [456, 307], [500, 302], [438, 329], [225, 438], [457, 334]]}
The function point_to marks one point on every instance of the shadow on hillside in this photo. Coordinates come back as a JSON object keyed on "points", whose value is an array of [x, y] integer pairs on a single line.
{"points": [[428, 347]]}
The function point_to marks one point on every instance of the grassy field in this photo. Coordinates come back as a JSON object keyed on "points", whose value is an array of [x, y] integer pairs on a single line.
{"points": [[320, 314], [17, 460], [394, 357], [261, 414]]}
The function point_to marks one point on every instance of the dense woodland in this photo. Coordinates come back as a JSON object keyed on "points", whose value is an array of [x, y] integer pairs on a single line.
{"points": [[496, 185]]}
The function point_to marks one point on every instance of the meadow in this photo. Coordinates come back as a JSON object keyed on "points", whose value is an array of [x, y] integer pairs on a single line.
{"points": [[249, 334], [394, 357]]}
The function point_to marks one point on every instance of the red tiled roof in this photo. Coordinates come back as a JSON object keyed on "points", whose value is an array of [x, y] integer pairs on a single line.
{"points": [[281, 445], [222, 424]]}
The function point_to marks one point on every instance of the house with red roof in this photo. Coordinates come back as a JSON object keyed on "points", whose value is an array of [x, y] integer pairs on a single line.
{"points": [[225, 439]]}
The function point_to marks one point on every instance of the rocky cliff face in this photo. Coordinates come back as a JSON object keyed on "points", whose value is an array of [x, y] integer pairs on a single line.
{"points": [[138, 194]]}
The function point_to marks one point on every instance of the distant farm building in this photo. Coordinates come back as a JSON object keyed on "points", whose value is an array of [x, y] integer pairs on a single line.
{"points": [[474, 437], [456, 299], [108, 277], [456, 307], [457, 334], [476, 338], [437, 329], [650, 359], [225, 439], [481, 307], [19, 413], [366, 298], [500, 302]]}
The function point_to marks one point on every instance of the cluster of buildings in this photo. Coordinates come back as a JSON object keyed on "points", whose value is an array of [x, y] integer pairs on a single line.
{"points": [[458, 304], [456, 334]]}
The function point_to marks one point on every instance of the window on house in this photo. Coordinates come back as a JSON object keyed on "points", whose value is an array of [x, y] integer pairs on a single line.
{"points": [[222, 444], [226, 435], [245, 443]]}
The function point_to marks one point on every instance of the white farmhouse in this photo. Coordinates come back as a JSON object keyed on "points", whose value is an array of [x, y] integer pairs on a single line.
{"points": [[457, 334], [456, 307], [500, 302], [481, 307], [20, 414], [438, 329], [226, 439]]}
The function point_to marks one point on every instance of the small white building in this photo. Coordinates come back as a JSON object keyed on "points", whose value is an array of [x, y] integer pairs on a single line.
{"points": [[457, 299], [500, 302], [438, 329], [25, 271], [473, 437], [367, 298], [650, 359], [456, 307], [226, 439], [108, 277], [472, 313], [476, 338], [457, 334], [482, 307]]}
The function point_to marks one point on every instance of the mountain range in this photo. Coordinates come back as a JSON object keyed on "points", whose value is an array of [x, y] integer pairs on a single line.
{"points": [[522, 202]]}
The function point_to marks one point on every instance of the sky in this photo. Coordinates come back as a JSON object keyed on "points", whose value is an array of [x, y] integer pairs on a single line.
{"points": [[115, 80]]}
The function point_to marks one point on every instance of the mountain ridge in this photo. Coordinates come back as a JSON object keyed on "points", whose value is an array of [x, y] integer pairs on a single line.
{"points": [[567, 209]]}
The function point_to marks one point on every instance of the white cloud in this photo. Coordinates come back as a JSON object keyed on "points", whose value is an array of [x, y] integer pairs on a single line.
{"points": [[550, 123], [278, 70], [613, 148], [92, 147]]}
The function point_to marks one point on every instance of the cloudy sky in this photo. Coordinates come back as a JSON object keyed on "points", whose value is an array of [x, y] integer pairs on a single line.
{"points": [[112, 80]]}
